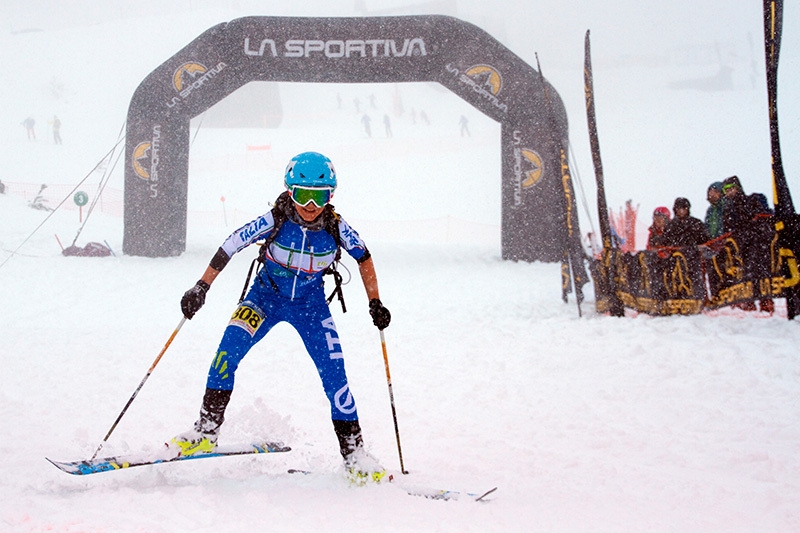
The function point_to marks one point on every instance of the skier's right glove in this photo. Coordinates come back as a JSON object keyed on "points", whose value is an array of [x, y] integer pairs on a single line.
{"points": [[194, 298], [380, 315]]}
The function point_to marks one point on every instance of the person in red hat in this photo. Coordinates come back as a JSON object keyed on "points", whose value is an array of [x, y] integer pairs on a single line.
{"points": [[655, 238]]}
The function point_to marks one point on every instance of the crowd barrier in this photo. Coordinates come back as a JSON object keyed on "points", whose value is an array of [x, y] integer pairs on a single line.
{"points": [[734, 269]]}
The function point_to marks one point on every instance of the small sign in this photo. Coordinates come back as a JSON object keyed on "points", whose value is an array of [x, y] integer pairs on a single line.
{"points": [[80, 198]]}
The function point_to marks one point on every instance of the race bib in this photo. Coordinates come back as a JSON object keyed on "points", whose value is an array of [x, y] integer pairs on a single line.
{"points": [[246, 318]]}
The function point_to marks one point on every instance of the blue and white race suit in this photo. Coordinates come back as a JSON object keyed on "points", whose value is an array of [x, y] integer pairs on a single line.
{"points": [[289, 288]]}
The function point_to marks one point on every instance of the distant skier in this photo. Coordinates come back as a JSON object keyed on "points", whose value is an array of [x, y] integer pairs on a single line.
{"points": [[303, 238], [366, 121], [29, 124], [423, 116], [464, 123], [56, 123], [387, 125]]}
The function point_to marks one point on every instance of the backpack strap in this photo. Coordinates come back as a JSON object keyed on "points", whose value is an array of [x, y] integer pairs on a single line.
{"points": [[330, 223], [279, 216]]}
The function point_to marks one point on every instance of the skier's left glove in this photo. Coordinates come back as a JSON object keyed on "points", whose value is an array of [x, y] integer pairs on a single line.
{"points": [[380, 315], [194, 298]]}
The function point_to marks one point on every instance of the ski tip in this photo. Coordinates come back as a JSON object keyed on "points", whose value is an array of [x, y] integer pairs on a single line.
{"points": [[64, 467], [485, 494]]}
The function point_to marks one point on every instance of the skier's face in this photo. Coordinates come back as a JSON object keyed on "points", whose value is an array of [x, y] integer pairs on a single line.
{"points": [[308, 212]]}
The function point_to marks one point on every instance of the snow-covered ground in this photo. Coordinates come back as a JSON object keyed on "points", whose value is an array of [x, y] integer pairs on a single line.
{"points": [[584, 424]]}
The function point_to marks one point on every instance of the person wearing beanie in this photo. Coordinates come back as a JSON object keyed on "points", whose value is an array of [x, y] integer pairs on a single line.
{"points": [[740, 209], [684, 229], [714, 211], [747, 217]]}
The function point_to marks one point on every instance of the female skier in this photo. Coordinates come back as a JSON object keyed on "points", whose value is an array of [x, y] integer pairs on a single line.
{"points": [[303, 236]]}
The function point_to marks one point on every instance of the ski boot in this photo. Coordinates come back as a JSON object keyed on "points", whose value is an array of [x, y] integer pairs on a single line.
{"points": [[361, 467], [203, 437]]}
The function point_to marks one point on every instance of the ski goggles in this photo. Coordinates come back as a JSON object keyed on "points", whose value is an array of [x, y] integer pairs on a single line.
{"points": [[319, 196]]}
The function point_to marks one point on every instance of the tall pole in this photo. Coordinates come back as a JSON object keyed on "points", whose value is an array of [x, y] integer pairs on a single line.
{"points": [[787, 224], [609, 255]]}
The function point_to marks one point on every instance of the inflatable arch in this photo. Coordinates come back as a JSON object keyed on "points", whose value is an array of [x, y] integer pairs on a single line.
{"points": [[538, 206]]}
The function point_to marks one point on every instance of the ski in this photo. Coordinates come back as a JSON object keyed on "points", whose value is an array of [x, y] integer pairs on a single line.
{"points": [[82, 468], [424, 492], [444, 494]]}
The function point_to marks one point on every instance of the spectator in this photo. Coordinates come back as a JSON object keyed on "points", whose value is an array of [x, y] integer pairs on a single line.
{"points": [[740, 209], [714, 212], [747, 216], [656, 236], [684, 229]]}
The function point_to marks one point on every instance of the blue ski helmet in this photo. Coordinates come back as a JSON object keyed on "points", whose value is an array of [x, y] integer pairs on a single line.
{"points": [[310, 169]]}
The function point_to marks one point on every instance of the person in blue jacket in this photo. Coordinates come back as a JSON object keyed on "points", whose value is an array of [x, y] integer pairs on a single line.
{"points": [[289, 288]]}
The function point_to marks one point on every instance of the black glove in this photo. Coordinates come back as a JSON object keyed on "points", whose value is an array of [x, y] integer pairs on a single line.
{"points": [[194, 298], [380, 315]]}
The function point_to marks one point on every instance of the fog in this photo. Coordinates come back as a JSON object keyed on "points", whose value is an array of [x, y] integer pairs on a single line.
{"points": [[659, 101]]}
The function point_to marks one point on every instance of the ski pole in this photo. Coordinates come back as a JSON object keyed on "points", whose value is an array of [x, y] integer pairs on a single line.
{"points": [[141, 384], [391, 400]]}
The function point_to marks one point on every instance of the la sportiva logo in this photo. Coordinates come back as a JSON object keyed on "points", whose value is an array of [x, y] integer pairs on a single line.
{"points": [[140, 154], [677, 280], [189, 70], [487, 77], [145, 160], [336, 48], [484, 80], [530, 164], [528, 168], [191, 76]]}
